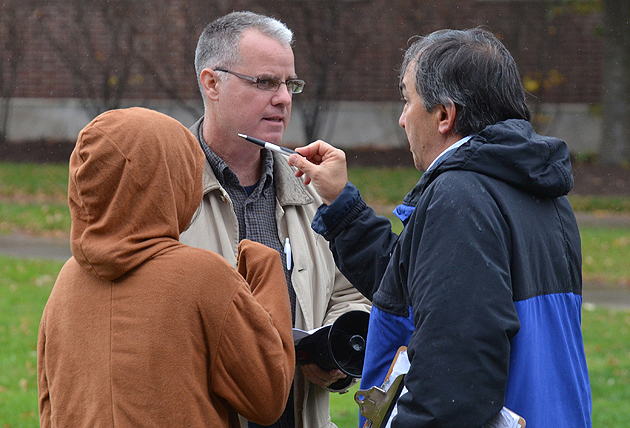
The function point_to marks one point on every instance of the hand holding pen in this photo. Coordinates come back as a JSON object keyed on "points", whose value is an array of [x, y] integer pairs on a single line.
{"points": [[324, 166], [319, 163]]}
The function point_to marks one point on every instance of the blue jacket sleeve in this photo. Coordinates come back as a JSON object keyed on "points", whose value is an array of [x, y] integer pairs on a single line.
{"points": [[360, 240], [386, 334]]}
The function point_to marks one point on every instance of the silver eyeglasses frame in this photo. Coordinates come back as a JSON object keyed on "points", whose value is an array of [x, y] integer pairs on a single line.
{"points": [[294, 86]]}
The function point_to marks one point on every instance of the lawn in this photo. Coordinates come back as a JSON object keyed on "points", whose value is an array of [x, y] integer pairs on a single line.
{"points": [[33, 200], [24, 289], [33, 197], [606, 255], [26, 284]]}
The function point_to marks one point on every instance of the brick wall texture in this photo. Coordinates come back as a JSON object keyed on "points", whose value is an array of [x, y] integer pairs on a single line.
{"points": [[345, 49]]}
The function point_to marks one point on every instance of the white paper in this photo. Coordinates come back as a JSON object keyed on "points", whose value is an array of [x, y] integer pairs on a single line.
{"points": [[301, 334], [505, 419]]}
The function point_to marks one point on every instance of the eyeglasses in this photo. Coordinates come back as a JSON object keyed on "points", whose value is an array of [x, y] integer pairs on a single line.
{"points": [[294, 86]]}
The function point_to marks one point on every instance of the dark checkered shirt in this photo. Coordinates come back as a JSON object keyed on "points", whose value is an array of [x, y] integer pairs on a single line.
{"points": [[256, 212]]}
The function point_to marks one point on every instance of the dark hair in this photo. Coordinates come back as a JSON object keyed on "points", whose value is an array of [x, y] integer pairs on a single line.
{"points": [[472, 70]]}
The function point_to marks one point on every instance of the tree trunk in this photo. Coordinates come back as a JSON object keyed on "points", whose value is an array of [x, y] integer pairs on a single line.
{"points": [[615, 145]]}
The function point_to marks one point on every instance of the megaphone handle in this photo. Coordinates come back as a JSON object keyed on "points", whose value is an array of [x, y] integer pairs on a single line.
{"points": [[341, 386]]}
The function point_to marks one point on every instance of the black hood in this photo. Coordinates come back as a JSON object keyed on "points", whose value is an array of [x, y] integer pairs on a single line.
{"points": [[510, 151]]}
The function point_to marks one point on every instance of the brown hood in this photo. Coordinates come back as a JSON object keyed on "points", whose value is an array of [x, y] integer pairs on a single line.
{"points": [[135, 183]]}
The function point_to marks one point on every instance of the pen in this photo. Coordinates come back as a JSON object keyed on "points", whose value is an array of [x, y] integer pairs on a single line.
{"points": [[270, 146], [287, 251]]}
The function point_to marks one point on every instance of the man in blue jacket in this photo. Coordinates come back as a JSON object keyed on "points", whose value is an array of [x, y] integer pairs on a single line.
{"points": [[484, 283]]}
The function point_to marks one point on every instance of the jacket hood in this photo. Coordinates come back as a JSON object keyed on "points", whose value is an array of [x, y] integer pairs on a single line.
{"points": [[510, 151], [135, 183]]}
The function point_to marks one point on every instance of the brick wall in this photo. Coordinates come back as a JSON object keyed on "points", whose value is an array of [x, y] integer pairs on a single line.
{"points": [[352, 48]]}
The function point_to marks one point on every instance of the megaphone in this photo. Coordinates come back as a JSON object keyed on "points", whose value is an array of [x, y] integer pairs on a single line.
{"points": [[340, 345]]}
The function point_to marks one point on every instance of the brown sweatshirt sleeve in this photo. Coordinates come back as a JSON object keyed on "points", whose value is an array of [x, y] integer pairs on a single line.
{"points": [[257, 344]]}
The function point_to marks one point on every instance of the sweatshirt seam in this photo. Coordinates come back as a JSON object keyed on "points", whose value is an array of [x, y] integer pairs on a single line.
{"points": [[111, 341], [221, 335]]}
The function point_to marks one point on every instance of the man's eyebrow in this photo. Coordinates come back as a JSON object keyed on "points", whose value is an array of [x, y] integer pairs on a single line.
{"points": [[274, 76]]}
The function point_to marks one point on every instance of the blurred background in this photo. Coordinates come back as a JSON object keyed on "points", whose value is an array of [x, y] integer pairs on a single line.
{"points": [[62, 62], [65, 61]]}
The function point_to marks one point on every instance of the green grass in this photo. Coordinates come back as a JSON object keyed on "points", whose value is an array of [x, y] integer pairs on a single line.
{"points": [[606, 254], [611, 204], [606, 338], [32, 216], [32, 198], [33, 179], [24, 289], [22, 187], [384, 186], [343, 410], [26, 284]]}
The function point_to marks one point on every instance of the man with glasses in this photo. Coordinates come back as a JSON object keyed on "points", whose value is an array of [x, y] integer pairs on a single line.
{"points": [[246, 74]]}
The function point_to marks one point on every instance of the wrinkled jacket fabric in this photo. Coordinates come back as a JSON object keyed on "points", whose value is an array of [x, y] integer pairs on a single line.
{"points": [[141, 330], [490, 263], [322, 292]]}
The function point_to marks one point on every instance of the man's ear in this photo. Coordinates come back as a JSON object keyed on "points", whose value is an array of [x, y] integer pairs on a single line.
{"points": [[209, 82], [446, 118]]}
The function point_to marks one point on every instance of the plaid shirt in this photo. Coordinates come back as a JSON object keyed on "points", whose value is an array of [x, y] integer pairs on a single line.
{"points": [[256, 211]]}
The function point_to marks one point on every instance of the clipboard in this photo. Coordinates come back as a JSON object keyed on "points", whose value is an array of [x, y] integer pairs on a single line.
{"points": [[378, 404]]}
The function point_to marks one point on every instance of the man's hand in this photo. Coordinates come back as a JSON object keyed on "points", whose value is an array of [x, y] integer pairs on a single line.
{"points": [[324, 166], [321, 377]]}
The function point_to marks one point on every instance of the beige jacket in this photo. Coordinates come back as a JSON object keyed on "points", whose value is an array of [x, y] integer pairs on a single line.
{"points": [[322, 292], [141, 330]]}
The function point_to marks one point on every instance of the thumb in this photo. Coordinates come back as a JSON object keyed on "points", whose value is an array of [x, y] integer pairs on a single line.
{"points": [[301, 163]]}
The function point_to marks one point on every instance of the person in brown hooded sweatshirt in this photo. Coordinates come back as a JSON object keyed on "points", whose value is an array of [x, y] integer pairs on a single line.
{"points": [[141, 330]]}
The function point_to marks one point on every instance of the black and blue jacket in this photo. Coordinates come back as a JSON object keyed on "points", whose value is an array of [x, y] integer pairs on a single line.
{"points": [[483, 284]]}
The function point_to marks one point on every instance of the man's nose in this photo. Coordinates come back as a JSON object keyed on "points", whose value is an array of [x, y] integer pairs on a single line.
{"points": [[282, 95]]}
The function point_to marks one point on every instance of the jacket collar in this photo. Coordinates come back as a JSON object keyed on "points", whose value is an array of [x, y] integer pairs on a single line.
{"points": [[289, 189]]}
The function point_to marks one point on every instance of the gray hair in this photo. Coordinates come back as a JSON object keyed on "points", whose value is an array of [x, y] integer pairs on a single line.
{"points": [[472, 70], [219, 43]]}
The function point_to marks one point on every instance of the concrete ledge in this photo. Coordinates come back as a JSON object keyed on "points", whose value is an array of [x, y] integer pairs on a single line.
{"points": [[346, 124]]}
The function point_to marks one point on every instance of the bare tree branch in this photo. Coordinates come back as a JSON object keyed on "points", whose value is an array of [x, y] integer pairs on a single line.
{"points": [[16, 26], [96, 44]]}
